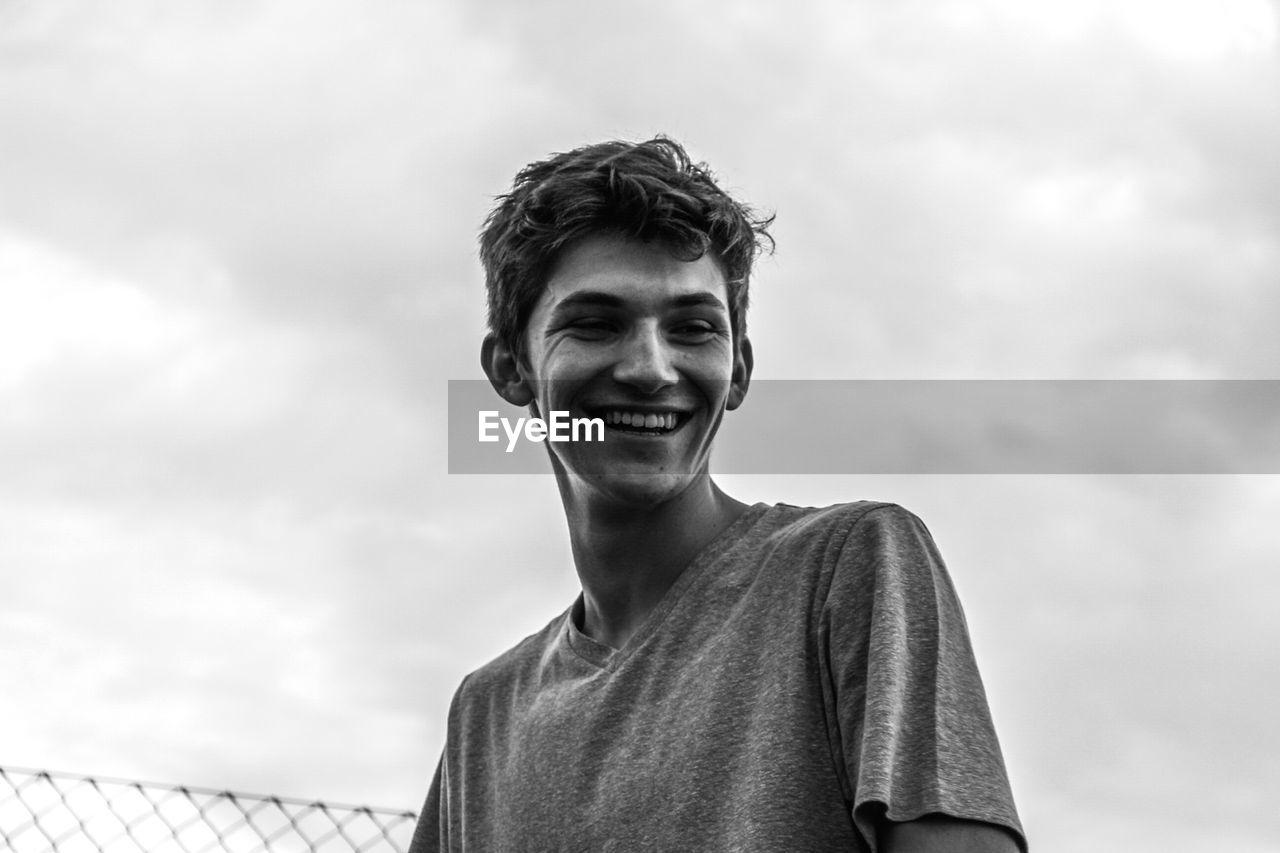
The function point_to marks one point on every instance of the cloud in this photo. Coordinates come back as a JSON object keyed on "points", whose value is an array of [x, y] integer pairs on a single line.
{"points": [[237, 265]]}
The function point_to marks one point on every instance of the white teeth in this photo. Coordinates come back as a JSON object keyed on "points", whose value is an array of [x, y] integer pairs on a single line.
{"points": [[666, 420]]}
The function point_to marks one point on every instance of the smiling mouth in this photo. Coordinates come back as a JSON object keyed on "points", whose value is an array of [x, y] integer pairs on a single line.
{"points": [[643, 423]]}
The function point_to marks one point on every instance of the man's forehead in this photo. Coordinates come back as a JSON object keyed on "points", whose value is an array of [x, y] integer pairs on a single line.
{"points": [[612, 270], [568, 298]]}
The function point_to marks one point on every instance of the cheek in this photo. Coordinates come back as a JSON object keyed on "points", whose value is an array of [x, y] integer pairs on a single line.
{"points": [[712, 372], [712, 359], [556, 357], [563, 366]]}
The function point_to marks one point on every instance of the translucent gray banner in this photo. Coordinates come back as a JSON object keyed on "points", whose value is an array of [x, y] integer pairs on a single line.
{"points": [[940, 427]]}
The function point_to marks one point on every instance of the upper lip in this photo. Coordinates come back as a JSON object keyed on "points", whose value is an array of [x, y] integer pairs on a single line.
{"points": [[642, 408]]}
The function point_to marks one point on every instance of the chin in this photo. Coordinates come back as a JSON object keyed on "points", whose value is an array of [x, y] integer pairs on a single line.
{"points": [[639, 490]]}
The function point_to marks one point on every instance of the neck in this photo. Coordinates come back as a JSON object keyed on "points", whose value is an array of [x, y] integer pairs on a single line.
{"points": [[628, 557]]}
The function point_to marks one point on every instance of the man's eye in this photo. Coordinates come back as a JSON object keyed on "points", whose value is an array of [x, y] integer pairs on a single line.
{"points": [[590, 328], [696, 329]]}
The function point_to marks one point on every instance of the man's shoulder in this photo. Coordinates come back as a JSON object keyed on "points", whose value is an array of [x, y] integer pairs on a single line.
{"points": [[788, 544], [869, 528], [514, 665], [864, 537], [838, 519]]}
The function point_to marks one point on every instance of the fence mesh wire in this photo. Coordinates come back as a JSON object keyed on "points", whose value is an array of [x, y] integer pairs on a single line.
{"points": [[43, 812]]}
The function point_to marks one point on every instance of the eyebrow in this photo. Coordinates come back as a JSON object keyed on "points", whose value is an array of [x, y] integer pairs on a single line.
{"points": [[609, 300]]}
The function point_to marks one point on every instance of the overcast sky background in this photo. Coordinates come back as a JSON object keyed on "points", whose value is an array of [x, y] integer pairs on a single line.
{"points": [[237, 268]]}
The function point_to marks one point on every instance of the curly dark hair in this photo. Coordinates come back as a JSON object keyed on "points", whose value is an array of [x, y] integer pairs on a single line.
{"points": [[650, 191]]}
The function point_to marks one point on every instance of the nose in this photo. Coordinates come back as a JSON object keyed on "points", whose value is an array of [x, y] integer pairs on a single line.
{"points": [[646, 364]]}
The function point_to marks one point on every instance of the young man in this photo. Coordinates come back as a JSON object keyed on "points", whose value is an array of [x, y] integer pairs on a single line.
{"points": [[733, 677]]}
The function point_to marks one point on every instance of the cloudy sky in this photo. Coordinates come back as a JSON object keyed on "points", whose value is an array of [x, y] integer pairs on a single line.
{"points": [[237, 269]]}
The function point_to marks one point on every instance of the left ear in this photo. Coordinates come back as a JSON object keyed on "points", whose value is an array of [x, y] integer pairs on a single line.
{"points": [[742, 364], [503, 368]]}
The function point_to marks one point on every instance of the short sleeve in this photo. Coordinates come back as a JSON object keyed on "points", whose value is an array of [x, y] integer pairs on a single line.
{"points": [[436, 831], [431, 834], [912, 724]]}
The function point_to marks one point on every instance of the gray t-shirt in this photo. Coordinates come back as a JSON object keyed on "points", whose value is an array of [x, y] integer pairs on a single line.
{"points": [[809, 674]]}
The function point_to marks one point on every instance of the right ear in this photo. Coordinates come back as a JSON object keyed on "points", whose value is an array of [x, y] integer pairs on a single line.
{"points": [[503, 369]]}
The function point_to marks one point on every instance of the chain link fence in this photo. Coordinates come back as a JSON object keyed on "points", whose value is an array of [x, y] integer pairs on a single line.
{"points": [[43, 812]]}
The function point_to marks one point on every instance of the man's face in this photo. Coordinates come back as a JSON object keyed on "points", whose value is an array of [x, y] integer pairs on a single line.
{"points": [[627, 333]]}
